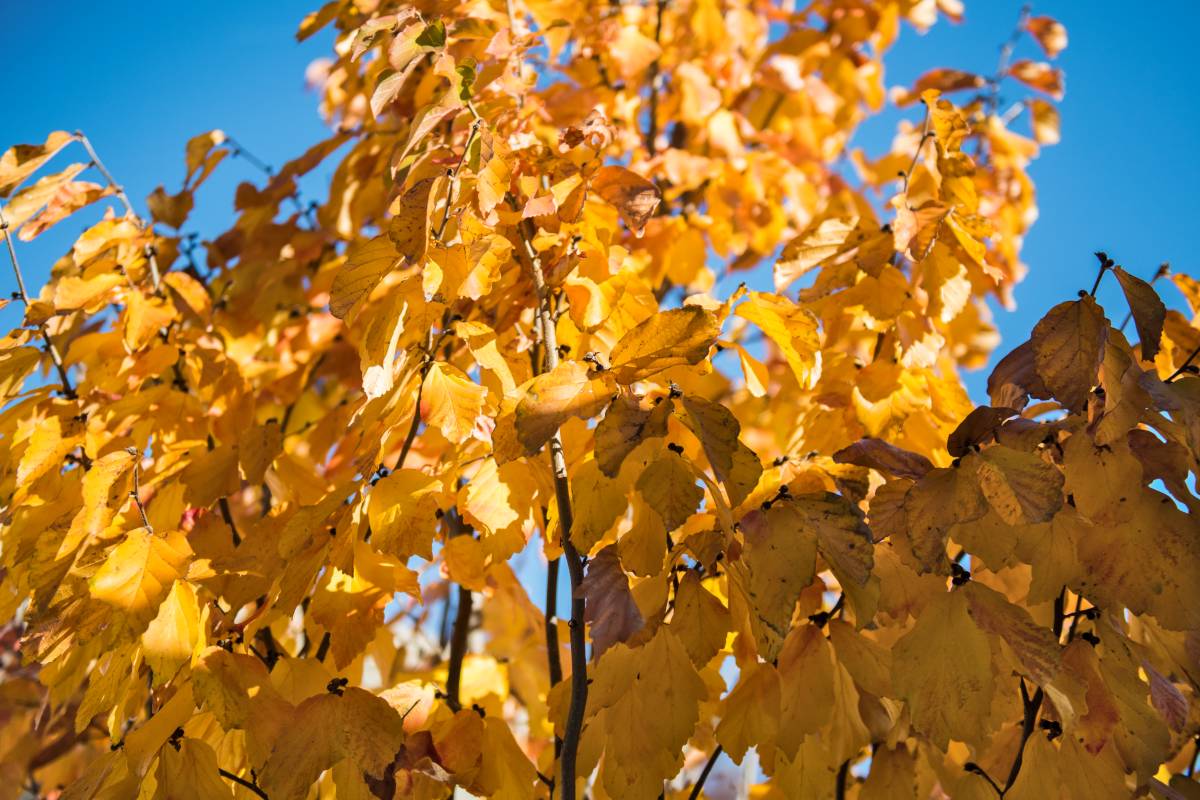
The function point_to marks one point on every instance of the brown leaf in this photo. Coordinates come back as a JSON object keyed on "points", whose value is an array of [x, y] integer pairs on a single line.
{"points": [[884, 457], [626, 424], [1068, 344], [611, 612], [1148, 310], [1015, 379], [634, 196], [978, 427]]}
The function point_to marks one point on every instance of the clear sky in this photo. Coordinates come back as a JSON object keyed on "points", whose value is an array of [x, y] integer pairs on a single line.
{"points": [[141, 79]]}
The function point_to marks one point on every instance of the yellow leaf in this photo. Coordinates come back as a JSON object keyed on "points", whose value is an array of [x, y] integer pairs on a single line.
{"points": [[104, 491], [793, 330], [807, 691], [1046, 124], [451, 401], [401, 509], [27, 202], [202, 156], [598, 502], [942, 669], [144, 318], [668, 339], [1021, 487], [778, 561], [409, 227], [505, 771], [258, 445], [1050, 34], [650, 698], [366, 264], [550, 399], [350, 608], [668, 485], [138, 573], [190, 773], [143, 743], [22, 160], [700, 620], [68, 199], [497, 500], [325, 729], [734, 464], [750, 713], [175, 635], [1035, 645], [843, 539], [16, 363]]}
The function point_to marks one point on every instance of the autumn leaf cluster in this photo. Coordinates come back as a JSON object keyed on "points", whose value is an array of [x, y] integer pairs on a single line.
{"points": [[284, 512]]}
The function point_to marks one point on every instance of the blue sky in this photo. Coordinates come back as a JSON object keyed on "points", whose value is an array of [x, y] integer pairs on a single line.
{"points": [[140, 83]]}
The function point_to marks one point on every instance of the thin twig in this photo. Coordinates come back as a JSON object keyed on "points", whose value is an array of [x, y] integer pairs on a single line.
{"points": [[562, 493], [453, 175], [151, 255], [1006, 53], [708, 768], [239, 151], [1183, 367], [51, 349], [240, 781]]}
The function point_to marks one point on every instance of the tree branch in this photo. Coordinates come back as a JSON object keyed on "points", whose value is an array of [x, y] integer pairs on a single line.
{"points": [[562, 494], [655, 68], [553, 657], [51, 349], [842, 775], [462, 625]]}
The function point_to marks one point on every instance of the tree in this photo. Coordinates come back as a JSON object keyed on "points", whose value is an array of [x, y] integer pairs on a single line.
{"points": [[274, 516]]}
